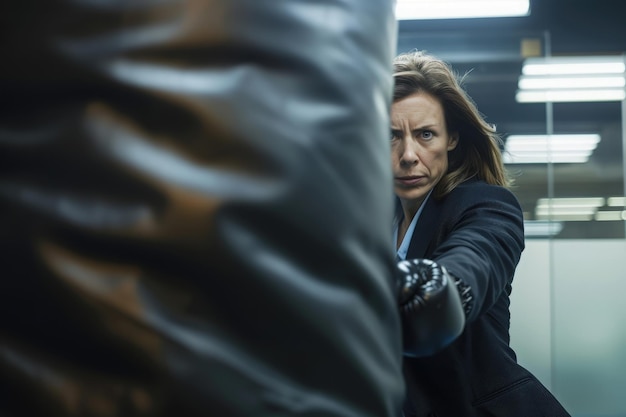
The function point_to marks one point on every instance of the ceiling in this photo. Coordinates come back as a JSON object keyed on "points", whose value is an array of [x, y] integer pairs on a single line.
{"points": [[489, 51]]}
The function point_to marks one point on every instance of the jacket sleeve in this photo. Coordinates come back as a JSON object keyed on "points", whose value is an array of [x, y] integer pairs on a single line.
{"points": [[192, 220], [482, 242]]}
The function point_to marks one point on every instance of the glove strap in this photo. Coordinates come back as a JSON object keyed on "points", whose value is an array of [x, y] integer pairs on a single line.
{"points": [[465, 291]]}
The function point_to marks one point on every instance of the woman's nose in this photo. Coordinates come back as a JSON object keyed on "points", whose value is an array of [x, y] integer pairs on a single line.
{"points": [[409, 155]]}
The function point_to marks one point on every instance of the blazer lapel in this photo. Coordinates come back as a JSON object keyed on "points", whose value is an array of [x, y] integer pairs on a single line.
{"points": [[424, 229]]}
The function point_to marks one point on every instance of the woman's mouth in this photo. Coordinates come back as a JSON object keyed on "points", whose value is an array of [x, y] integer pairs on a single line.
{"points": [[410, 180]]}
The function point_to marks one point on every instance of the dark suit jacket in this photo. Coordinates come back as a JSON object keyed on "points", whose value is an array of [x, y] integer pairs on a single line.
{"points": [[477, 233]]}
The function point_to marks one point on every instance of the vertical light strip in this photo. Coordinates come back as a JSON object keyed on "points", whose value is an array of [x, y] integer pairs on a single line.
{"points": [[624, 154]]}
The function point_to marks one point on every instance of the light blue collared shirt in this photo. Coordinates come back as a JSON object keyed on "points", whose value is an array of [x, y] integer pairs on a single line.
{"points": [[404, 246]]}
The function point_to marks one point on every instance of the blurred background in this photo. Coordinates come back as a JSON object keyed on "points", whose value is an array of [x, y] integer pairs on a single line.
{"points": [[564, 142]]}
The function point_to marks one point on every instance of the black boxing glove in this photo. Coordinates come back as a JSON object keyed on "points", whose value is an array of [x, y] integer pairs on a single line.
{"points": [[432, 309]]}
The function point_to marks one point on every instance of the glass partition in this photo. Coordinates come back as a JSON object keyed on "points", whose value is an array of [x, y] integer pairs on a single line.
{"points": [[567, 307]]}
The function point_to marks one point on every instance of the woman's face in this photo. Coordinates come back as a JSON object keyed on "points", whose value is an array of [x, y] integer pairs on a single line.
{"points": [[419, 146]]}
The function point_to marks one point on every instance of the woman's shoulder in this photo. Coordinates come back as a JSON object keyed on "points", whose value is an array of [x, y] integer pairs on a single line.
{"points": [[478, 190]]}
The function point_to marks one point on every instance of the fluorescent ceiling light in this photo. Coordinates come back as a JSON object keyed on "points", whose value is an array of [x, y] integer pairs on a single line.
{"points": [[566, 217], [549, 82], [615, 215], [572, 79], [616, 201], [579, 209], [572, 202], [568, 209], [555, 96], [563, 148], [545, 159], [564, 211], [557, 142], [561, 65], [541, 228], [458, 9]]}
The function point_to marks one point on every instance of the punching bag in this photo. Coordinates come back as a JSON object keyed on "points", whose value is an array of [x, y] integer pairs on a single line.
{"points": [[195, 202]]}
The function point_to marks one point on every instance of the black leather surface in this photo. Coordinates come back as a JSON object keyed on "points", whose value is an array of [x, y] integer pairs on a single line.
{"points": [[195, 201]]}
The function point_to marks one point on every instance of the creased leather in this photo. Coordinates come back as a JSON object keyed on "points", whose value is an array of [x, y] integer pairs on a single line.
{"points": [[195, 199]]}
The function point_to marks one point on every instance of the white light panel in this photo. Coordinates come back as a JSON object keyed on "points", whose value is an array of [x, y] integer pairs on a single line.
{"points": [[560, 65], [560, 148], [572, 79], [568, 209], [459, 9], [542, 228]]}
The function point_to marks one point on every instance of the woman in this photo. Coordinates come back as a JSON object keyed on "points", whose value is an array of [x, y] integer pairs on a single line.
{"points": [[457, 223]]}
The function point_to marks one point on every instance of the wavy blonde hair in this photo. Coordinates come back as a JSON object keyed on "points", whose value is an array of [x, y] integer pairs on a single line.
{"points": [[478, 152]]}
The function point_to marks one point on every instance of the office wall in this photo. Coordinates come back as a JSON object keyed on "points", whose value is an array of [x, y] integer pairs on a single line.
{"points": [[568, 322]]}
